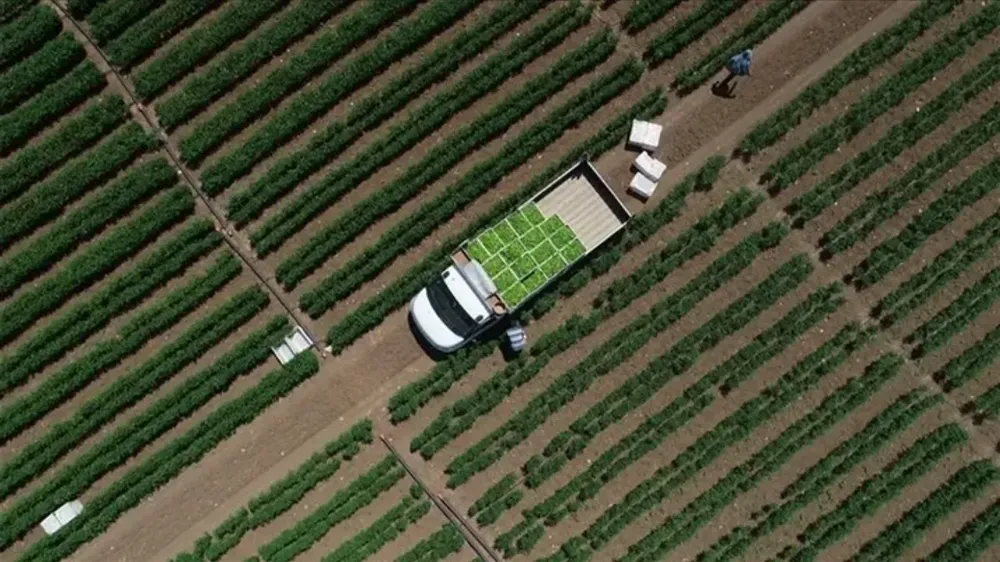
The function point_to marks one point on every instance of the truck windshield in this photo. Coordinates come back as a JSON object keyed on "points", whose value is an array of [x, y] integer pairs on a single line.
{"points": [[448, 309]]}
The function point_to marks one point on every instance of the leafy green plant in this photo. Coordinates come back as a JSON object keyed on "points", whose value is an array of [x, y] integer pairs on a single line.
{"points": [[26, 33], [646, 12], [446, 541], [109, 19], [140, 40], [974, 538], [689, 29], [936, 332], [972, 363], [44, 66], [385, 529]]}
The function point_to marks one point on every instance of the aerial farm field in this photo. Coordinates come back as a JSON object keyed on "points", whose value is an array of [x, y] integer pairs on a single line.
{"points": [[791, 352]]}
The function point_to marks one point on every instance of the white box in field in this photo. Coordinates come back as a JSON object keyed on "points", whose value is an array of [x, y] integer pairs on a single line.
{"points": [[60, 517], [293, 344], [642, 186], [645, 134], [649, 166]]}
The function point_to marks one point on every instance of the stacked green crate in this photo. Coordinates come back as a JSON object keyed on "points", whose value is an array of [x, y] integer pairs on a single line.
{"points": [[524, 251]]}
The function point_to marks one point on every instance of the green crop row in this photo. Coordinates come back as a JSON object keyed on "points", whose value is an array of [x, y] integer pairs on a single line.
{"points": [[458, 417], [26, 33], [140, 40], [72, 328], [294, 74], [59, 387], [105, 507], [48, 199], [446, 541], [371, 313], [655, 428], [341, 507], [858, 64], [493, 494], [613, 353], [974, 538], [947, 266], [28, 77], [78, 134], [385, 529], [96, 261], [78, 8], [965, 485], [452, 150], [880, 206], [987, 405], [432, 115], [281, 496], [809, 487], [128, 389], [689, 29], [938, 331], [768, 19], [109, 19], [376, 108], [130, 437], [645, 12], [201, 44], [682, 526], [11, 8], [971, 364], [405, 38], [880, 99], [802, 377], [875, 492], [890, 254], [408, 233], [220, 77], [75, 228], [54, 101]]}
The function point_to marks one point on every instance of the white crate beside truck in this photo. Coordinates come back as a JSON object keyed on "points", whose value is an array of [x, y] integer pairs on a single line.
{"points": [[497, 271]]}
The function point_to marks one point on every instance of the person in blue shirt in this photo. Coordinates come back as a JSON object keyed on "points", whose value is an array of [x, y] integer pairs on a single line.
{"points": [[738, 65]]}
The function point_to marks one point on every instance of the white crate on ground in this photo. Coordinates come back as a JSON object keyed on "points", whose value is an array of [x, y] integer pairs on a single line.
{"points": [[293, 344], [642, 186], [60, 517], [645, 134], [649, 166]]}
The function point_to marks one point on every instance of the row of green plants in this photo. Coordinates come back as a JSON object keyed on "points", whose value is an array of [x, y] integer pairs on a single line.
{"points": [[105, 507], [973, 539], [987, 404], [57, 99], [127, 390], [219, 77], [298, 71], [373, 311], [26, 33], [410, 231], [361, 492], [11, 8], [855, 66], [359, 71], [938, 331], [443, 543], [946, 267], [939, 215], [109, 19], [657, 427], [765, 462], [48, 199], [78, 8], [34, 162], [40, 69], [973, 363], [93, 263], [140, 40], [765, 22], [807, 488], [429, 117], [889, 93], [644, 13], [72, 229], [802, 377], [874, 493], [56, 389], [374, 109], [384, 530], [72, 328], [280, 496], [200, 44], [459, 416], [626, 342], [145, 427], [880, 206], [965, 485], [689, 29]]}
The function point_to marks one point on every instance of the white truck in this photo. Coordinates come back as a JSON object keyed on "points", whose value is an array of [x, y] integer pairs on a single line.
{"points": [[500, 269]]}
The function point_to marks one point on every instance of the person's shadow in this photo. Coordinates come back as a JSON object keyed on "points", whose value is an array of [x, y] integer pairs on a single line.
{"points": [[725, 88]]}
